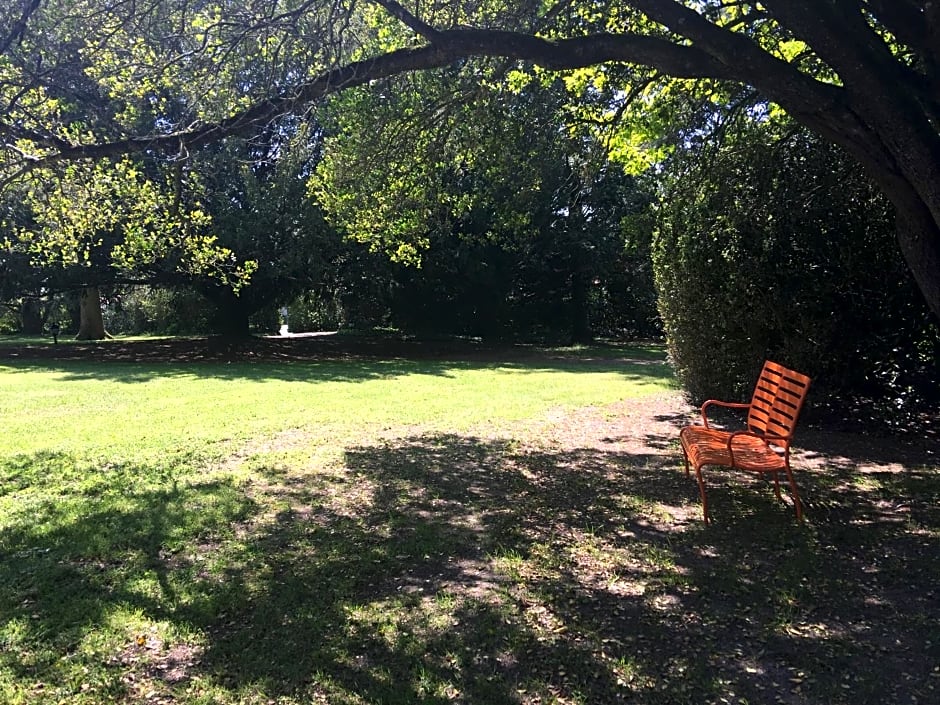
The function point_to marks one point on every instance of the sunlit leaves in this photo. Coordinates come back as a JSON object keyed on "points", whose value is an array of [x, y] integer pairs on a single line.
{"points": [[112, 215], [487, 152], [166, 65], [382, 168]]}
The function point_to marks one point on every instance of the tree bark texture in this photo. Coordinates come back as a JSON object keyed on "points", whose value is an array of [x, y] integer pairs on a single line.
{"points": [[91, 324], [231, 318], [31, 316]]}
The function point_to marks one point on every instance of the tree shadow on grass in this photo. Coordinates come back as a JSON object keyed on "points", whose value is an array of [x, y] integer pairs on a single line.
{"points": [[398, 595], [513, 575], [319, 359], [643, 374], [82, 545], [440, 567]]}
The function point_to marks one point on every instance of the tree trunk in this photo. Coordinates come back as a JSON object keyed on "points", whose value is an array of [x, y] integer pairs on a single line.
{"points": [[234, 324], [74, 308], [580, 306], [910, 179], [919, 237], [231, 319], [91, 325], [31, 316]]}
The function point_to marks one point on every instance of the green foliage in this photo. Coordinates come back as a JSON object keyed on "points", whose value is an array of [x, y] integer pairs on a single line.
{"points": [[156, 310], [100, 77], [110, 70], [505, 200], [315, 312], [103, 219], [772, 245], [488, 169], [9, 321], [255, 191], [581, 274]]}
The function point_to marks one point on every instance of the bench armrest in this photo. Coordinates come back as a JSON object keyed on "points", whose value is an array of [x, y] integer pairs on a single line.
{"points": [[732, 436], [726, 404], [782, 442]]}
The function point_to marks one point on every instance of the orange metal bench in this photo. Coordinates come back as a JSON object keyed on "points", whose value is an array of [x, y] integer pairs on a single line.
{"points": [[764, 446]]}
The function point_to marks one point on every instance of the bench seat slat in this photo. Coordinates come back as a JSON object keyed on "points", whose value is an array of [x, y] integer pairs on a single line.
{"points": [[708, 446]]}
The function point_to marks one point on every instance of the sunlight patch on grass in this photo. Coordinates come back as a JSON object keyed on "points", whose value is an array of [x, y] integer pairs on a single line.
{"points": [[867, 483], [181, 413]]}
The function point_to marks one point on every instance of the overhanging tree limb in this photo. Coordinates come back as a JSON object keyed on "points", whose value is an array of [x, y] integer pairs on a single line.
{"points": [[687, 62]]}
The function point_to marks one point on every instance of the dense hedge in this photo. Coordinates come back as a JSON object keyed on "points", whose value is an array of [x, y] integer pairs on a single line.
{"points": [[775, 246]]}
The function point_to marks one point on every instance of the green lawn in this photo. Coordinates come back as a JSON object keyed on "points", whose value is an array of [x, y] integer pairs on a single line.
{"points": [[151, 413], [431, 531]]}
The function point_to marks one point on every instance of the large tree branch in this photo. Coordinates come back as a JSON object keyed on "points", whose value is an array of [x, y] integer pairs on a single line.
{"points": [[820, 106], [884, 94], [743, 59], [715, 53], [19, 25], [452, 45], [725, 45], [840, 35]]}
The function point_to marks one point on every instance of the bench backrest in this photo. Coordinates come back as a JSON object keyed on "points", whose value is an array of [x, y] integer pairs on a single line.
{"points": [[778, 398]]}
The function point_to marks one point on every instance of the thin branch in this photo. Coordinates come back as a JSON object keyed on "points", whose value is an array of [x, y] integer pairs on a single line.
{"points": [[19, 27], [420, 27]]}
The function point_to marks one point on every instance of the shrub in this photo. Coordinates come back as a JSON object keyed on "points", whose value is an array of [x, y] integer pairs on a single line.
{"points": [[775, 246]]}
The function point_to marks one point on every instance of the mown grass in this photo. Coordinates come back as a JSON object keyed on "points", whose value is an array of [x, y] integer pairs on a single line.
{"points": [[138, 410], [431, 531]]}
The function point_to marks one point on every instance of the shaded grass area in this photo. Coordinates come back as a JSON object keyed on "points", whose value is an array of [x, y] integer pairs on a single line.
{"points": [[444, 567], [506, 563], [305, 347]]}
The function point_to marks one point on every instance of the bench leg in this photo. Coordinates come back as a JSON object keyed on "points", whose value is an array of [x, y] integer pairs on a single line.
{"points": [[777, 486], [701, 491], [796, 495]]}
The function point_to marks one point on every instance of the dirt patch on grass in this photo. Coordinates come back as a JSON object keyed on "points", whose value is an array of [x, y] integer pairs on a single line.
{"points": [[565, 560]]}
